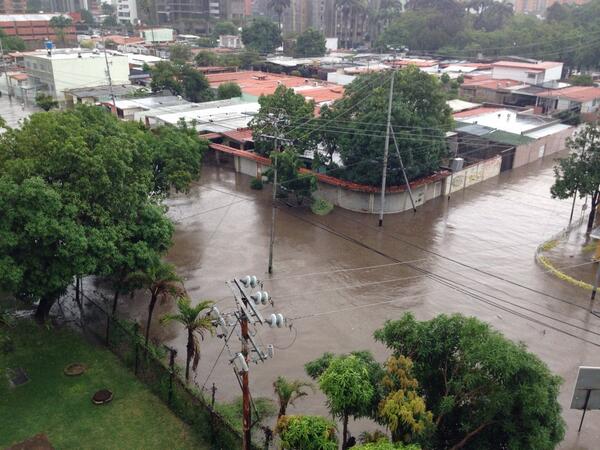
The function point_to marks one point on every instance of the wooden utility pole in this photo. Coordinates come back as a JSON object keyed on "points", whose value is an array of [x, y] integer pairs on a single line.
{"points": [[112, 94], [272, 239], [386, 149], [247, 414]]}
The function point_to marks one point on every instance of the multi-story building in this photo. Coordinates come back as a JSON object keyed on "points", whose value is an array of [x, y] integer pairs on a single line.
{"points": [[539, 7], [56, 71], [127, 11], [33, 28], [13, 7]]}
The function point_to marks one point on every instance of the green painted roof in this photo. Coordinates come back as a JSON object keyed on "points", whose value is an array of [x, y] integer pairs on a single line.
{"points": [[504, 137]]}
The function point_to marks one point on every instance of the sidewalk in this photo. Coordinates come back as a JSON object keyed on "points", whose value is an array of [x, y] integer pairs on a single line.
{"points": [[570, 256]]}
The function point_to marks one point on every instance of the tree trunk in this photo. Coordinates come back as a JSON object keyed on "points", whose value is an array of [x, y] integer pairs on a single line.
{"points": [[476, 431], [115, 300], [150, 311], [345, 431], [43, 310], [282, 410], [593, 212], [190, 355]]}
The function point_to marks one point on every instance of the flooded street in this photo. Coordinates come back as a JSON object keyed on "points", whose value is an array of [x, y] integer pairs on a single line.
{"points": [[339, 277]]}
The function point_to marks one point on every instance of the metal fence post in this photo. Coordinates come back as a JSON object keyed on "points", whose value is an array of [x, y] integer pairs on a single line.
{"points": [[171, 372], [136, 346]]}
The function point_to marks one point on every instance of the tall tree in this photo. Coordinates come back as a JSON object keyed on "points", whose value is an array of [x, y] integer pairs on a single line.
{"points": [[347, 385], [283, 110], [197, 323], [229, 90], [59, 24], [402, 409], [224, 28], [279, 7], [288, 392], [180, 53], [206, 59], [87, 17], [306, 433], [45, 101], [195, 85], [310, 43], [162, 282], [420, 116], [484, 391], [261, 35], [579, 173]]}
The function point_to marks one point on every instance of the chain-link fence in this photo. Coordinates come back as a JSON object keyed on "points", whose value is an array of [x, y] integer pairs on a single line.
{"points": [[155, 367]]}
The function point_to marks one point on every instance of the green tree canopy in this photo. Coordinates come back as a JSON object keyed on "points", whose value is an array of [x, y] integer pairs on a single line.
{"points": [[110, 21], [484, 391], [180, 53], [420, 116], [261, 35], [59, 24], [581, 80], [310, 43], [283, 110], [180, 80], [579, 173], [11, 43], [206, 59], [106, 179], [290, 180], [195, 85], [224, 28], [45, 101], [386, 445], [306, 433], [87, 17], [347, 384], [229, 90]]}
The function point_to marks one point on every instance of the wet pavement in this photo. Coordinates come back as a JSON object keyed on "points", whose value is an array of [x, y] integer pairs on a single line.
{"points": [[13, 110], [572, 253], [339, 277]]}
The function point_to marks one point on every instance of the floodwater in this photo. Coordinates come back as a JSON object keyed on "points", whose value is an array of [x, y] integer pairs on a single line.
{"points": [[340, 277]]}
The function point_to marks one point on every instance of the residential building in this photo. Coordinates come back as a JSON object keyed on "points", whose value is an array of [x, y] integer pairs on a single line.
{"points": [[157, 35], [582, 99], [13, 7], [230, 41], [96, 94], [127, 11], [531, 73], [60, 70], [33, 28]]}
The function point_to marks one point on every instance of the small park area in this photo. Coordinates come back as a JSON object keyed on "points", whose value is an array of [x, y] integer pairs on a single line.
{"points": [[47, 402]]}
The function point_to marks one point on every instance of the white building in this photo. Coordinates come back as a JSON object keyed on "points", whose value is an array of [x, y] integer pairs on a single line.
{"points": [[529, 73], [64, 69], [230, 41], [127, 11], [154, 35]]}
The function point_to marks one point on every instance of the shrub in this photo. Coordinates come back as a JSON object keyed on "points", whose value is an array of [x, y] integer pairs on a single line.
{"points": [[256, 183]]}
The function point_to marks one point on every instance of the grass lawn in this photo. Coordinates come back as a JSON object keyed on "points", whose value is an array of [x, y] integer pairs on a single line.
{"points": [[61, 406]]}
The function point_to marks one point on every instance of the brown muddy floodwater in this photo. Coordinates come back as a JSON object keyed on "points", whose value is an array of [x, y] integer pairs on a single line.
{"points": [[479, 245]]}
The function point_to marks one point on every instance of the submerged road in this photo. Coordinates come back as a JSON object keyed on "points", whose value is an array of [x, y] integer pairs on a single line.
{"points": [[340, 277]]}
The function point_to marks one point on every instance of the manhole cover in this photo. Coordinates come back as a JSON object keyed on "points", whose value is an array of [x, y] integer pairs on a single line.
{"points": [[74, 369], [102, 396], [17, 376]]}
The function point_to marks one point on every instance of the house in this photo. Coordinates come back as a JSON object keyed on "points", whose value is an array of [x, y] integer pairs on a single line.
{"points": [[519, 137], [157, 35], [56, 71], [530, 73], [583, 99], [97, 94], [487, 89]]}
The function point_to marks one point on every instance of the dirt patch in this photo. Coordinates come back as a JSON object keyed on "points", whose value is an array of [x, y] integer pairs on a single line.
{"points": [[37, 442]]}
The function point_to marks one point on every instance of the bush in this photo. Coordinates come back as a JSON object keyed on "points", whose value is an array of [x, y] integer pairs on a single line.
{"points": [[256, 183], [321, 207]]}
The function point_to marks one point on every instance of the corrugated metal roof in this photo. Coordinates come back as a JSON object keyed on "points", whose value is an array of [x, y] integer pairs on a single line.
{"points": [[474, 129], [504, 137]]}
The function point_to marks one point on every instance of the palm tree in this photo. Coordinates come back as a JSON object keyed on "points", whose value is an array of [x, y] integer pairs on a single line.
{"points": [[352, 12], [288, 392], [196, 324], [162, 281], [279, 6], [58, 24]]}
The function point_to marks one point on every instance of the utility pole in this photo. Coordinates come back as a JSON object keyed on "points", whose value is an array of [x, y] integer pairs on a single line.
{"points": [[112, 94], [247, 314], [272, 239], [412, 200], [386, 148]]}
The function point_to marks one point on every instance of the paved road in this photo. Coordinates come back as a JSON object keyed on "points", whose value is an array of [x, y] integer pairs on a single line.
{"points": [[477, 250]]}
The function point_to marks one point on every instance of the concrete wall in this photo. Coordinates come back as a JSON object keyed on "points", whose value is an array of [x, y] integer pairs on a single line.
{"points": [[472, 175], [518, 74], [541, 147]]}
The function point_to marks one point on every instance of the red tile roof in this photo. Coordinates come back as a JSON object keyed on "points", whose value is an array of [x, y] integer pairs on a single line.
{"points": [[262, 83], [574, 93], [244, 135], [19, 76], [487, 82]]}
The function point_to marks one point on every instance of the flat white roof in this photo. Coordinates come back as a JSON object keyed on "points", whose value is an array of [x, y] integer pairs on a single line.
{"points": [[27, 17], [457, 105], [507, 120], [72, 53], [223, 118], [547, 131]]}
